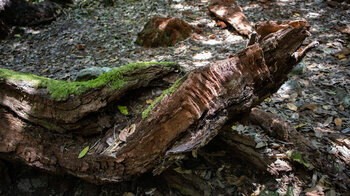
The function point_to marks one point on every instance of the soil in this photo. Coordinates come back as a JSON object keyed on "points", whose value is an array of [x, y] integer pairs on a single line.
{"points": [[316, 99]]}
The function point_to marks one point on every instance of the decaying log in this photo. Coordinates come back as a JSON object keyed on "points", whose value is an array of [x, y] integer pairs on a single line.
{"points": [[184, 118], [244, 145]]}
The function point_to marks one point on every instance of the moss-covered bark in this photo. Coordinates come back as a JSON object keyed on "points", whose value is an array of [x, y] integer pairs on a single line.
{"points": [[61, 90]]}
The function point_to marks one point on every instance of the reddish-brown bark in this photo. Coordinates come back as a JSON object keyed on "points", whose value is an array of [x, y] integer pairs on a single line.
{"points": [[234, 16]]}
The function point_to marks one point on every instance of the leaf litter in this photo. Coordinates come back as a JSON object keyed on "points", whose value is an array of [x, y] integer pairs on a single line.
{"points": [[315, 99]]}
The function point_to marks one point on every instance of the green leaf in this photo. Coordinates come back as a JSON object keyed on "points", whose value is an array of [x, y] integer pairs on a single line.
{"points": [[123, 109], [331, 92], [83, 152]]}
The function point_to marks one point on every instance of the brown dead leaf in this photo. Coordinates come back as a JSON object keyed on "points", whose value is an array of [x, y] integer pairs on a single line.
{"points": [[344, 52], [123, 135], [292, 107], [80, 47], [341, 108], [195, 37], [312, 107], [221, 24], [212, 36], [132, 129], [338, 122], [149, 101], [344, 29]]}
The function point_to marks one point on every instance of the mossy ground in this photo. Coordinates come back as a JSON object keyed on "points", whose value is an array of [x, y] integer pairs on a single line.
{"points": [[61, 90]]}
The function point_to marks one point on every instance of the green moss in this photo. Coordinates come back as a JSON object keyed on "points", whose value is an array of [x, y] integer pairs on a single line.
{"points": [[170, 90], [61, 90]]}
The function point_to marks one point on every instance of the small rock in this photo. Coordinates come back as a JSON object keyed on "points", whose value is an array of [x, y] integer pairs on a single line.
{"points": [[91, 73], [299, 69]]}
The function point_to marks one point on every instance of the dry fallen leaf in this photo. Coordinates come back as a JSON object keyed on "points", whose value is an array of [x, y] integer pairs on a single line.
{"points": [[80, 47], [338, 122], [132, 129], [341, 108], [312, 107], [292, 107], [344, 29], [45, 70], [195, 37], [328, 121], [149, 101], [344, 52], [123, 135], [341, 57]]}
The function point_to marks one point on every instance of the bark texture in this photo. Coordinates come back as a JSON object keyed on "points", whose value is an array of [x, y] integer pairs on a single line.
{"points": [[184, 118], [230, 12]]}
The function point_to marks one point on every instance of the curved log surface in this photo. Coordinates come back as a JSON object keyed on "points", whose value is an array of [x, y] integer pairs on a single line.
{"points": [[184, 118], [55, 106]]}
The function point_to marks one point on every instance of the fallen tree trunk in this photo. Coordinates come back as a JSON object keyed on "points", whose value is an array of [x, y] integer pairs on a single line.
{"points": [[47, 123]]}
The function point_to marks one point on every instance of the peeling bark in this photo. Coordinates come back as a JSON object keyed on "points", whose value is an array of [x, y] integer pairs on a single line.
{"points": [[184, 118], [234, 16]]}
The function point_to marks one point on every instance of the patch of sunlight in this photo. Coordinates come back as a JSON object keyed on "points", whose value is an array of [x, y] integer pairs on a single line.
{"points": [[181, 49], [221, 12], [232, 38], [205, 55], [201, 63], [313, 15], [178, 6], [212, 42], [34, 32], [211, 24]]}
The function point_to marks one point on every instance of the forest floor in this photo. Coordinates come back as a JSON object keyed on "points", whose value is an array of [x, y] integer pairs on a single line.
{"points": [[316, 99]]}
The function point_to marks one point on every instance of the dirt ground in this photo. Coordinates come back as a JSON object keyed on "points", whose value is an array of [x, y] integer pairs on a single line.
{"points": [[316, 99]]}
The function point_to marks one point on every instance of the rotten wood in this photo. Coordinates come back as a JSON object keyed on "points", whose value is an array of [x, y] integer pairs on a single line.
{"points": [[185, 118], [230, 12]]}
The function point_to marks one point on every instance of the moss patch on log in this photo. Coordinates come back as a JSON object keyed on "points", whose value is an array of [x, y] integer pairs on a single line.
{"points": [[170, 90], [61, 90]]}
